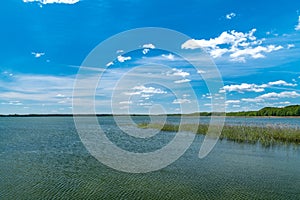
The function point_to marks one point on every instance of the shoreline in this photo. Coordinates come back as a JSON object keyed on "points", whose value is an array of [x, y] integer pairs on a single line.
{"points": [[142, 115]]}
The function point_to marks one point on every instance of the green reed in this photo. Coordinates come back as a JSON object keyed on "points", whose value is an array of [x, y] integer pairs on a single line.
{"points": [[267, 136]]}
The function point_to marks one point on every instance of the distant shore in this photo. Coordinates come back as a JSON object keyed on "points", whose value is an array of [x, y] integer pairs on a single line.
{"points": [[111, 115], [292, 111], [133, 115]]}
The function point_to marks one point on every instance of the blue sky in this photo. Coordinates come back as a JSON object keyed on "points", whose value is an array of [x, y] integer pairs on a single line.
{"points": [[254, 44]]}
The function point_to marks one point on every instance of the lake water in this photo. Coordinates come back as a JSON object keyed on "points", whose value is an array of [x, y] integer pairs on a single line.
{"points": [[44, 158]]}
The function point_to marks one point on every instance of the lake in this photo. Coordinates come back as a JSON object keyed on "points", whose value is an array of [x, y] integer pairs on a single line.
{"points": [[44, 158]]}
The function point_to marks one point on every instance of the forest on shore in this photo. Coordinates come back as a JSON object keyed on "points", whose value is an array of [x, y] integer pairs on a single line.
{"points": [[293, 110]]}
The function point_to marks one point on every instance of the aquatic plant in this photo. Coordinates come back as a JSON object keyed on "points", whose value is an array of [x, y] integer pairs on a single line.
{"points": [[267, 136]]}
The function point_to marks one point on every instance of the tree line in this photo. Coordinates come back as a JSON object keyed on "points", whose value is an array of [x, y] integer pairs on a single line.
{"points": [[293, 110]]}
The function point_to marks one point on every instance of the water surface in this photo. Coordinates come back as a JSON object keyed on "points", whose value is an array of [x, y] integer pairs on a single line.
{"points": [[43, 158]]}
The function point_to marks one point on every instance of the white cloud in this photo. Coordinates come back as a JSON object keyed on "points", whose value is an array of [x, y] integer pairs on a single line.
{"points": [[37, 55], [6, 73], [252, 100], [272, 96], [120, 51], [109, 64], [232, 101], [281, 82], [123, 59], [52, 1], [297, 27], [169, 56], [245, 87], [284, 102], [145, 51], [230, 15], [289, 46], [37, 89], [13, 103], [218, 52], [178, 72], [146, 96], [237, 45], [181, 101], [201, 71], [182, 81], [145, 104], [240, 55], [230, 38], [236, 106], [138, 90], [292, 94], [60, 95], [148, 46], [125, 102]]}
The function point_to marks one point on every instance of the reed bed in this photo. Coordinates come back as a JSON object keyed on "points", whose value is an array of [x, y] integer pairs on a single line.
{"points": [[267, 136]]}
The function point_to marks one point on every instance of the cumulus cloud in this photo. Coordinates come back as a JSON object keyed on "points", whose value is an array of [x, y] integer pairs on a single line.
{"points": [[141, 90], [245, 87], [252, 100], [233, 101], [281, 82], [237, 45], [145, 51], [123, 59], [273, 96], [182, 81], [109, 64], [52, 1], [297, 27], [145, 104], [120, 51], [289, 46], [125, 102], [240, 55], [231, 38], [230, 15], [148, 46], [178, 72], [236, 106], [37, 55], [60, 96], [292, 94], [201, 72], [181, 101], [169, 56]]}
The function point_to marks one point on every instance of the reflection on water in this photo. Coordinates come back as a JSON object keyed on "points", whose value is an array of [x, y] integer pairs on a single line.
{"points": [[44, 158]]}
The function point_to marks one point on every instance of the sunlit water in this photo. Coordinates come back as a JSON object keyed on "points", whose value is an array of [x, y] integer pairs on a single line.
{"points": [[43, 158]]}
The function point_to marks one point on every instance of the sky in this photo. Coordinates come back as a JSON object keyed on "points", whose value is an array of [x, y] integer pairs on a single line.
{"points": [[254, 45]]}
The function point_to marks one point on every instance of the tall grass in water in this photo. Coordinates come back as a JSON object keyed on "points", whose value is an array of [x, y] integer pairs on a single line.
{"points": [[267, 136]]}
